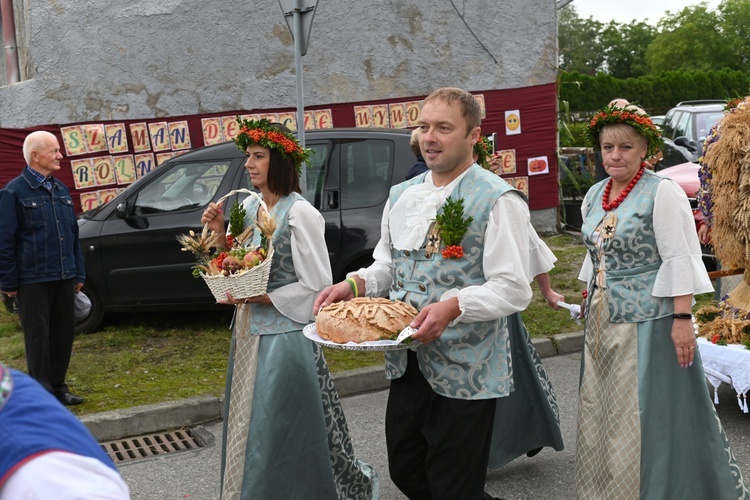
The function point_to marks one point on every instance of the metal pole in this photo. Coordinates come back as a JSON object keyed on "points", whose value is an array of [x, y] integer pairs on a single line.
{"points": [[12, 71], [300, 93]]}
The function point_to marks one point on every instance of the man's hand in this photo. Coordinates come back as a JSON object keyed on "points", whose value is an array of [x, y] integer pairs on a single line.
{"points": [[11, 294], [334, 293], [434, 318]]}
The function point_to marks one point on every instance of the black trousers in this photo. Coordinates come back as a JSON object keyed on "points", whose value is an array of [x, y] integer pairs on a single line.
{"points": [[47, 317], [438, 447]]}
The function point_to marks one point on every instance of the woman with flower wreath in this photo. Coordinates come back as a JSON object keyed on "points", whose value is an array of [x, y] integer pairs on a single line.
{"points": [[285, 435], [646, 425]]}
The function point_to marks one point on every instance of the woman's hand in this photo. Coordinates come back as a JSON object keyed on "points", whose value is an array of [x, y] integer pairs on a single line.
{"points": [[704, 234], [214, 217], [683, 337], [258, 299]]}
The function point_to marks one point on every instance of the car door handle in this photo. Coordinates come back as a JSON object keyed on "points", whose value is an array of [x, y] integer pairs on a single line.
{"points": [[332, 200]]}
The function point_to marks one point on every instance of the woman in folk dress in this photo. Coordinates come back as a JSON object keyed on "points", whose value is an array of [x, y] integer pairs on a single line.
{"points": [[285, 435], [647, 428]]}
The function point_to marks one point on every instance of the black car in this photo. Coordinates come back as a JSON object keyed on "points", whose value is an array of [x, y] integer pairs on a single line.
{"points": [[133, 259], [685, 128]]}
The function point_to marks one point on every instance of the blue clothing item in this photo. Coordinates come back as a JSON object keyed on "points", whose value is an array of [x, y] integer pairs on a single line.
{"points": [[45, 180], [33, 422], [39, 240]]}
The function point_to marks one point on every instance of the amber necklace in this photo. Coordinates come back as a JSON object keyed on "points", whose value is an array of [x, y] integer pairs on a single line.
{"points": [[610, 220]]}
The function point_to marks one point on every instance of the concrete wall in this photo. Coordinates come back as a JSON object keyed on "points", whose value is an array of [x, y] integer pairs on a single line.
{"points": [[85, 60]]}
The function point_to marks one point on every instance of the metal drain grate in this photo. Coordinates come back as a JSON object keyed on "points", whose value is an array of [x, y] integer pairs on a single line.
{"points": [[149, 445]]}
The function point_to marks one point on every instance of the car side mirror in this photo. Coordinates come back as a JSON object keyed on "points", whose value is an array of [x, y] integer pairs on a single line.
{"points": [[686, 143], [121, 211]]}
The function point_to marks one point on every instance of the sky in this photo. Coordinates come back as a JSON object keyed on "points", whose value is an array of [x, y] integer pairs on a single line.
{"points": [[624, 11]]}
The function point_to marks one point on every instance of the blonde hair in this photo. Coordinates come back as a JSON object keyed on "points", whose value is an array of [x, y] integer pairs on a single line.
{"points": [[471, 111]]}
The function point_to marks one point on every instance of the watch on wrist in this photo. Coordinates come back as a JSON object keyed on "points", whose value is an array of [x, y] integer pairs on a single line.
{"points": [[682, 316]]}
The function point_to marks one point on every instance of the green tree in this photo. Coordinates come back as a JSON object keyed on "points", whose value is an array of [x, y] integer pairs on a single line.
{"points": [[690, 40], [624, 48], [735, 23], [578, 42]]}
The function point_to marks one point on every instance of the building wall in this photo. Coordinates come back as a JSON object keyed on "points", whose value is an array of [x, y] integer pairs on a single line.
{"points": [[86, 60]]}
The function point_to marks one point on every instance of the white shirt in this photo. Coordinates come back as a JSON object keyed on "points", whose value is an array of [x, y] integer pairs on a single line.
{"points": [[311, 264], [64, 476], [506, 253], [682, 271]]}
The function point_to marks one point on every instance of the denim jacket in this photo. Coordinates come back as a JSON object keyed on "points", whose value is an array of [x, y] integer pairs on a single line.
{"points": [[39, 235]]}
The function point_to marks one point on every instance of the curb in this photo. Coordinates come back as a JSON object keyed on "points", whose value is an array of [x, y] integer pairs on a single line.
{"points": [[118, 424]]}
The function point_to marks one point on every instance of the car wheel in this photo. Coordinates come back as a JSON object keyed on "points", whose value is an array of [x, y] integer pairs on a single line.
{"points": [[93, 321]]}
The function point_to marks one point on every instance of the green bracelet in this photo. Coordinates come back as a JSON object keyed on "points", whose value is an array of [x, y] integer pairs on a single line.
{"points": [[353, 285]]}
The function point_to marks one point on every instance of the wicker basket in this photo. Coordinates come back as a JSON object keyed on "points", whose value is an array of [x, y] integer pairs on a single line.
{"points": [[249, 283]]}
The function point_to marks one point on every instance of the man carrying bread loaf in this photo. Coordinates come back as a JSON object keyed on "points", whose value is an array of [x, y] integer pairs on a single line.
{"points": [[455, 245]]}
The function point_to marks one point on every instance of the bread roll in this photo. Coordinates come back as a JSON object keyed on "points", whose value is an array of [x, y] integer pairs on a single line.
{"points": [[363, 319]]}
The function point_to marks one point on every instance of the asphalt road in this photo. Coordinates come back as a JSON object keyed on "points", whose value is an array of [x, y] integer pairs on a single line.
{"points": [[194, 474]]}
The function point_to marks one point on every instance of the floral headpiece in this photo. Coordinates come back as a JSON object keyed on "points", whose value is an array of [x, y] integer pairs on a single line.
{"points": [[261, 132], [641, 123], [483, 150]]}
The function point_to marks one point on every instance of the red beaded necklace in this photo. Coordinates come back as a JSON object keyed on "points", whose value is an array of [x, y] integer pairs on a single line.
{"points": [[616, 203]]}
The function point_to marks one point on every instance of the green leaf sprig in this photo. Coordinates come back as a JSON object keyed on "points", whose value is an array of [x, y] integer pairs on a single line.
{"points": [[451, 222]]}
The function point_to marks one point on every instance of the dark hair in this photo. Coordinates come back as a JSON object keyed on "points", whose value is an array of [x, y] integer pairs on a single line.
{"points": [[282, 172]]}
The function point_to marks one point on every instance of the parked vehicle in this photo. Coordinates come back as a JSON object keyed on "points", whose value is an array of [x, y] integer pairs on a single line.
{"points": [[133, 260], [658, 120], [686, 175], [685, 128]]}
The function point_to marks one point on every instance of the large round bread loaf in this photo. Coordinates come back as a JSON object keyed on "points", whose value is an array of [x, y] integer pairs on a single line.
{"points": [[363, 319]]}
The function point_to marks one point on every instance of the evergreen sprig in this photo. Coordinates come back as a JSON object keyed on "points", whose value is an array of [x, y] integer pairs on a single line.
{"points": [[237, 219], [451, 222]]}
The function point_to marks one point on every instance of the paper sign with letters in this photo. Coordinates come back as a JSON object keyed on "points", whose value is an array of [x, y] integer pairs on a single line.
{"points": [[83, 173], [75, 143]]}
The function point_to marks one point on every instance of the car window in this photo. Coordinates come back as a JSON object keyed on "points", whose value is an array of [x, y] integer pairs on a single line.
{"points": [[366, 169], [681, 125], [704, 122], [669, 122], [180, 186]]}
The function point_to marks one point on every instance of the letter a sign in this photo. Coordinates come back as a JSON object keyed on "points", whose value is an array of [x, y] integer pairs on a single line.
{"points": [[305, 10]]}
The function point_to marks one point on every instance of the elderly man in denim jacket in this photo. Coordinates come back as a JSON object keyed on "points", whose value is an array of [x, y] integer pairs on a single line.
{"points": [[41, 262]]}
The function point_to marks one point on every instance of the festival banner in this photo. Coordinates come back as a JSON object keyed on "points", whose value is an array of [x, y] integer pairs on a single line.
{"points": [[124, 167], [538, 165], [323, 119], [103, 172], [75, 143], [229, 127], [144, 163], [213, 132], [83, 173], [89, 200], [179, 135], [162, 157], [397, 113], [362, 116], [96, 140], [512, 122], [158, 132], [106, 195], [289, 120], [413, 111], [380, 116], [507, 161], [117, 139], [139, 134]]}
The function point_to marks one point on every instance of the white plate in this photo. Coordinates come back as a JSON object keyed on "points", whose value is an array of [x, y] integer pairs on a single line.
{"points": [[311, 332]]}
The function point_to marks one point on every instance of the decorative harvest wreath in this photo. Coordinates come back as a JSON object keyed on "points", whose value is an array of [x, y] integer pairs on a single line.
{"points": [[642, 124], [483, 150], [261, 132]]}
